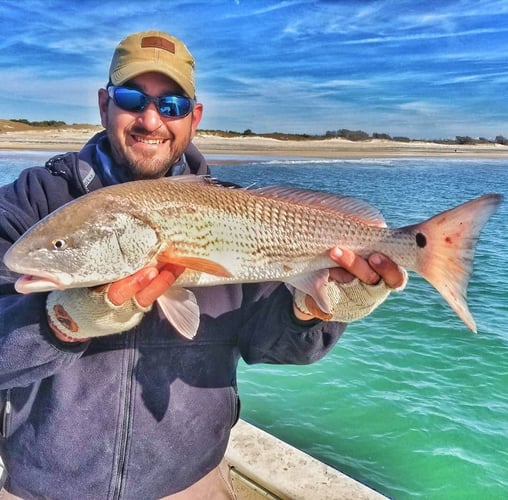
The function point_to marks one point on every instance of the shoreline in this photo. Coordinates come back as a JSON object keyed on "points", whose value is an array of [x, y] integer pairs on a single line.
{"points": [[73, 139]]}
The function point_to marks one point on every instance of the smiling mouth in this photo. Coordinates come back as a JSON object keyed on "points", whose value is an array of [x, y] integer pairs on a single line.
{"points": [[146, 140]]}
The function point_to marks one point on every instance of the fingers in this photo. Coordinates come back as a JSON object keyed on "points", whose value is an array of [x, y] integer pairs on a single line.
{"points": [[123, 290], [370, 271], [354, 266], [166, 277], [340, 275], [146, 285], [390, 272]]}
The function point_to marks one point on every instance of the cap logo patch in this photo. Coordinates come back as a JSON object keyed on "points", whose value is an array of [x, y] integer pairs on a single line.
{"points": [[158, 42]]}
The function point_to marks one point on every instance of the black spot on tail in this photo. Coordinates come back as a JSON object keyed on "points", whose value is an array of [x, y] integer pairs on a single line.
{"points": [[421, 240]]}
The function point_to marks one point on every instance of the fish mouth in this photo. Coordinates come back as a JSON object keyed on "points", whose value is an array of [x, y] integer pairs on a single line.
{"points": [[29, 283], [32, 279]]}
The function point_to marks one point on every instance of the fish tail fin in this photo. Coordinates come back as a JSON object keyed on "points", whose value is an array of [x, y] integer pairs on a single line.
{"points": [[447, 244]]}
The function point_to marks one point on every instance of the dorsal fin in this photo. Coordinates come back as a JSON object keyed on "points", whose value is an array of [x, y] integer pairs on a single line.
{"points": [[344, 205]]}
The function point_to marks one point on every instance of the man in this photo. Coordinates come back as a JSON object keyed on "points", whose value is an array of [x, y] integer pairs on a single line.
{"points": [[100, 396]]}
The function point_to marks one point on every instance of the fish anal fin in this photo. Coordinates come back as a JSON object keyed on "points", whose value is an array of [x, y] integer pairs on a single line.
{"points": [[195, 263], [314, 285]]}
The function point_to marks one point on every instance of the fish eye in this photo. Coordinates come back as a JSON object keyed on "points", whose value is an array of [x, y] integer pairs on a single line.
{"points": [[58, 244]]}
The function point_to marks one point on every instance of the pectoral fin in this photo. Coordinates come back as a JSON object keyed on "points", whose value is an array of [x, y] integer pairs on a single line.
{"points": [[181, 309], [195, 263]]}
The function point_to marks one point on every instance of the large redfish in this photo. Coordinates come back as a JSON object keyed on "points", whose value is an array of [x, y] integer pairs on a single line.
{"points": [[223, 235]]}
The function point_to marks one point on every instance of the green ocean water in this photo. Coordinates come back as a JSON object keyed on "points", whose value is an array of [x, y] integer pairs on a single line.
{"points": [[409, 401]]}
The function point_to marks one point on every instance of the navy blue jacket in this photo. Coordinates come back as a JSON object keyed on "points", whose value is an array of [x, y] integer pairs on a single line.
{"points": [[141, 414]]}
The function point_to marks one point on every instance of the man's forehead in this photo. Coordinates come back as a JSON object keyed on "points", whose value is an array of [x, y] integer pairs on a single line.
{"points": [[153, 80]]}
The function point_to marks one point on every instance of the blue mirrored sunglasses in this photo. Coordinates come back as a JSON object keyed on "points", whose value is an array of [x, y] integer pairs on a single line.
{"points": [[171, 106]]}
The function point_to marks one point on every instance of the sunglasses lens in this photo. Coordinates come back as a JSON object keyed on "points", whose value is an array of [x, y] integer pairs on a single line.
{"points": [[172, 106], [175, 106], [129, 99]]}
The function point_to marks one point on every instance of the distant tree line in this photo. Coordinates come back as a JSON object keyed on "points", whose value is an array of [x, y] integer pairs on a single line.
{"points": [[360, 135], [44, 123]]}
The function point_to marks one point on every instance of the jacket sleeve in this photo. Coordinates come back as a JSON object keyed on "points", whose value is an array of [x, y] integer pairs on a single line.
{"points": [[271, 333], [28, 349]]}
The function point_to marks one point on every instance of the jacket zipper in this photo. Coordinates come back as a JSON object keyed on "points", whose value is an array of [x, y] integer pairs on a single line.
{"points": [[126, 417], [7, 410]]}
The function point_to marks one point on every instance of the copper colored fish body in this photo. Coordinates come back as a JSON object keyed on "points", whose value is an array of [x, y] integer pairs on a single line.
{"points": [[223, 235]]}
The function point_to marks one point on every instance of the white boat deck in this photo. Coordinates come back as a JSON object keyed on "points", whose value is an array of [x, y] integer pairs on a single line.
{"points": [[263, 466]]}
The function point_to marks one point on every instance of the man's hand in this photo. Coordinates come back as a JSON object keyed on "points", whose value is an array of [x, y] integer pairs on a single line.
{"points": [[78, 314], [372, 271], [377, 267]]}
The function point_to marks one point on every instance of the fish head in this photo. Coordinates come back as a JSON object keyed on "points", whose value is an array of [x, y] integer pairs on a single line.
{"points": [[81, 245]]}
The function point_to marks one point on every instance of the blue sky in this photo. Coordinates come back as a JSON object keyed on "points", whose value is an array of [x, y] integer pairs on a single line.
{"points": [[432, 69]]}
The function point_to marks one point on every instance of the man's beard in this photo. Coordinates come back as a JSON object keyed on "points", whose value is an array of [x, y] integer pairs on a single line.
{"points": [[144, 166], [147, 168]]}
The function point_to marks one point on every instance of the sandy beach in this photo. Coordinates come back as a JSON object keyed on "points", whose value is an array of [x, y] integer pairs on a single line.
{"points": [[73, 138]]}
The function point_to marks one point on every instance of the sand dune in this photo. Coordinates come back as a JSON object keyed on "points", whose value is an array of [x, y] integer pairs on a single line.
{"points": [[73, 138]]}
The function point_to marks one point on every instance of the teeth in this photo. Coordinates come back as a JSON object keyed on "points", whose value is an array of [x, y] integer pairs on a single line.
{"points": [[148, 141]]}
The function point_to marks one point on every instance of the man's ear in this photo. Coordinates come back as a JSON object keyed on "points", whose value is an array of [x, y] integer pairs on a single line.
{"points": [[197, 114], [103, 98]]}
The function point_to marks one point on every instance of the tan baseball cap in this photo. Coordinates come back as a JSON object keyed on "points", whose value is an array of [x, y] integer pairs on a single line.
{"points": [[153, 51]]}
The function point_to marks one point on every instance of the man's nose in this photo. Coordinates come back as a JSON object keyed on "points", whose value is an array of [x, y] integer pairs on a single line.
{"points": [[150, 118]]}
